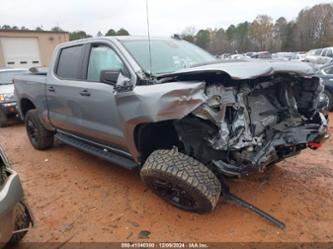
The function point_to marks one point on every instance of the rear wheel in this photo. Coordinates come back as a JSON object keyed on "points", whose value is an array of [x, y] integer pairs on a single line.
{"points": [[181, 180], [39, 137], [3, 119]]}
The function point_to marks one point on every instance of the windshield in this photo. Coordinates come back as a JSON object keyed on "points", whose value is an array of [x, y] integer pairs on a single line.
{"points": [[7, 76], [167, 55]]}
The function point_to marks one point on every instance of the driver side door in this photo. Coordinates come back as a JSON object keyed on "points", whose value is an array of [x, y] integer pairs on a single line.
{"points": [[99, 115]]}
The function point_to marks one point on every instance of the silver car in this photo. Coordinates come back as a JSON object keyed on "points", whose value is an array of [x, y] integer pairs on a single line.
{"points": [[326, 56], [15, 217], [7, 98], [313, 55]]}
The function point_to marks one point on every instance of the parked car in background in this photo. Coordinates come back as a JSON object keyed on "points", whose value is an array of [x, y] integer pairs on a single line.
{"points": [[7, 98], [285, 56], [261, 55], [249, 54], [313, 55], [301, 56], [326, 56], [239, 57], [15, 217], [326, 74], [225, 56]]}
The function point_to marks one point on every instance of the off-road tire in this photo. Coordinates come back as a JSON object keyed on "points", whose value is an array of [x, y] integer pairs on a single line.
{"points": [[181, 170], [43, 138], [22, 221], [3, 119]]}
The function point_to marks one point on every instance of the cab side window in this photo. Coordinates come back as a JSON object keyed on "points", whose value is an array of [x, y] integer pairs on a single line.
{"points": [[102, 58]]}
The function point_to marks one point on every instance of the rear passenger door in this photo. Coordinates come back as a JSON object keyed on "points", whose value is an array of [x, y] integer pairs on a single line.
{"points": [[63, 88]]}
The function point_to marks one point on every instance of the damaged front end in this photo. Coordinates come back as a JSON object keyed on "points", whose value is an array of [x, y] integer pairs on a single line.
{"points": [[249, 124]]}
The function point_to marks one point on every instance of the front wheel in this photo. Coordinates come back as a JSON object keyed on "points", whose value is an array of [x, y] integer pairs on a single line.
{"points": [[181, 180], [39, 137]]}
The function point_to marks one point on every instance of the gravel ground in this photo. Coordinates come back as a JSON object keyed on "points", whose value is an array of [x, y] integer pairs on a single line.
{"points": [[78, 197]]}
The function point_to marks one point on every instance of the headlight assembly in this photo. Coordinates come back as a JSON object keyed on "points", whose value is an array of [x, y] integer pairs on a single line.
{"points": [[7, 97]]}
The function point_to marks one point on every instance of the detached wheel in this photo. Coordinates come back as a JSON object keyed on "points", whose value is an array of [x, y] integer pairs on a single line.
{"points": [[39, 137], [22, 222], [181, 180], [3, 119]]}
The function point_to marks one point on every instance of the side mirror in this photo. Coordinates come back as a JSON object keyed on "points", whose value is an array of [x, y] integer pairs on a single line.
{"points": [[110, 76]]}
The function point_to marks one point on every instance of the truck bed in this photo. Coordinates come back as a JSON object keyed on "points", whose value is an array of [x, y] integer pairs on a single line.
{"points": [[31, 86]]}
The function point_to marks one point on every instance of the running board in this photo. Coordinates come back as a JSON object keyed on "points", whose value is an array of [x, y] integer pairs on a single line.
{"points": [[98, 151]]}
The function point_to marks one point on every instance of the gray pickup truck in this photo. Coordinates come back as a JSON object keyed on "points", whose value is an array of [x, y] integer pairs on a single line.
{"points": [[171, 110]]}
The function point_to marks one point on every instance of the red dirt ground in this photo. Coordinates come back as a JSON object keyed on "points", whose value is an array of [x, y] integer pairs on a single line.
{"points": [[78, 197]]}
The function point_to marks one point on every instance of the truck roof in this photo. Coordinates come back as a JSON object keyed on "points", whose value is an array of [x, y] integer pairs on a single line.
{"points": [[129, 38], [119, 38]]}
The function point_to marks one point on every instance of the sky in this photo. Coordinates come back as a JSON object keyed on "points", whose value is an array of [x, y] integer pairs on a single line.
{"points": [[166, 17]]}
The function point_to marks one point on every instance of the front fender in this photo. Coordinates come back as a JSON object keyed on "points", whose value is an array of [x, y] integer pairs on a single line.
{"points": [[155, 103]]}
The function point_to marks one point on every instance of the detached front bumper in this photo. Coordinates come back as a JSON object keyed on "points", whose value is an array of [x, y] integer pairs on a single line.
{"points": [[9, 108]]}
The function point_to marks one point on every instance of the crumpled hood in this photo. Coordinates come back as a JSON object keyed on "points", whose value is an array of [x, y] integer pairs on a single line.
{"points": [[247, 70], [7, 88]]}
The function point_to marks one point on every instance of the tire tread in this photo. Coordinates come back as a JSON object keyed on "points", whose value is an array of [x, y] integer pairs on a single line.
{"points": [[184, 169], [46, 137]]}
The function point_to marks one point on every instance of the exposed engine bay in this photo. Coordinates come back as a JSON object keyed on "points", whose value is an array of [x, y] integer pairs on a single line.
{"points": [[251, 124]]}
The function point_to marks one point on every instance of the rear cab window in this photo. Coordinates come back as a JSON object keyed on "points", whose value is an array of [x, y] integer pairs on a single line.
{"points": [[70, 62]]}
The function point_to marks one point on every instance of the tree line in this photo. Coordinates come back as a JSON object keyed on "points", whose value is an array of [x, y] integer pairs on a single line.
{"points": [[313, 28], [74, 35]]}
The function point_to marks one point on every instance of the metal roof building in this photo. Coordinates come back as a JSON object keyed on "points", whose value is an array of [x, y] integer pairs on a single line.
{"points": [[26, 48]]}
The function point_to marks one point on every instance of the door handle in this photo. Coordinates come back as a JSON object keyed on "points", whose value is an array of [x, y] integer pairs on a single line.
{"points": [[51, 89], [85, 92]]}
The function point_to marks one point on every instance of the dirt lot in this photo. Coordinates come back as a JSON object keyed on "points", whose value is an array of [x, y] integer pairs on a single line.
{"points": [[78, 197]]}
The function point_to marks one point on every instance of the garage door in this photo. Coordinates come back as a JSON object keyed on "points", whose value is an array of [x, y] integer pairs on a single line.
{"points": [[21, 52]]}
